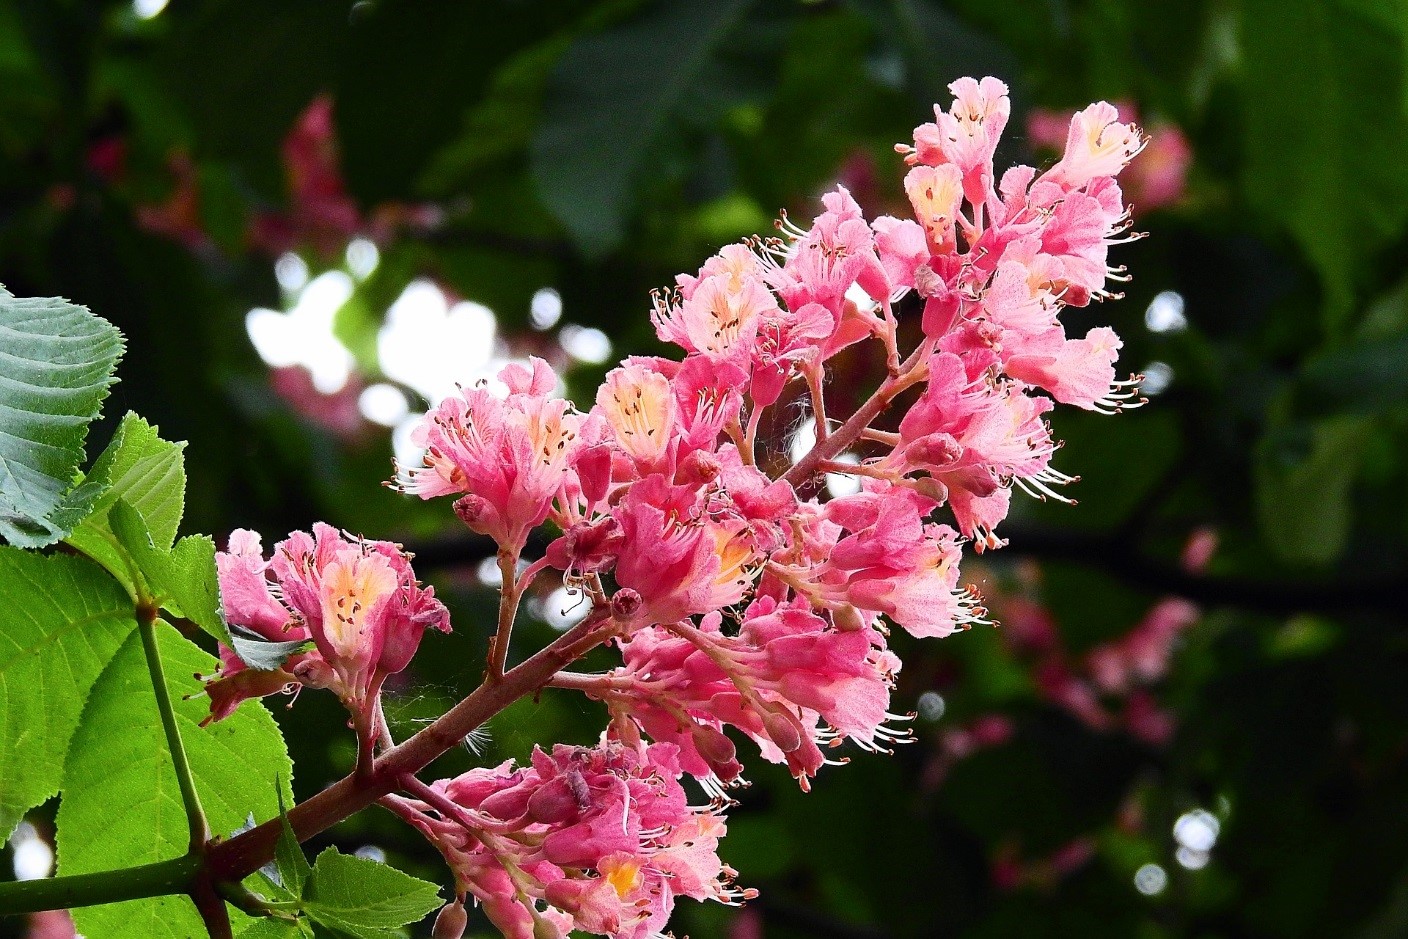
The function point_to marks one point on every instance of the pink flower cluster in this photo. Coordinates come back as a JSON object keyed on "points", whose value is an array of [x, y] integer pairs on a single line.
{"points": [[602, 837], [737, 597], [357, 602]]}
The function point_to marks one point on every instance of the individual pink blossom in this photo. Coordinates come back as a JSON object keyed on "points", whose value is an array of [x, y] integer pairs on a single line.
{"points": [[679, 556], [356, 600], [1156, 177], [1098, 144], [718, 317], [512, 456]]}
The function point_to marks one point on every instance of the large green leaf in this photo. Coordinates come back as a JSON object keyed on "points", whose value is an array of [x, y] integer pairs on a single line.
{"points": [[56, 364], [1326, 133], [146, 472], [362, 897], [610, 100], [61, 620], [121, 804]]}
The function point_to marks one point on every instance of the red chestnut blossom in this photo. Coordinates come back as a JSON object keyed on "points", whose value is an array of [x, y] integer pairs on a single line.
{"points": [[598, 839], [741, 600], [356, 600], [513, 456], [1157, 178], [787, 679]]}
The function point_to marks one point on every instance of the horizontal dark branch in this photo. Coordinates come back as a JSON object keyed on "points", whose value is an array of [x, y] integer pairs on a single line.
{"points": [[1123, 561], [1111, 554]]}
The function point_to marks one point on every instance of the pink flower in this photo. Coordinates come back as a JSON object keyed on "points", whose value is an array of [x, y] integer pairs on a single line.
{"points": [[788, 680], [823, 261], [513, 456], [1155, 178], [679, 557], [718, 317], [887, 560], [639, 406], [358, 601], [1097, 145]]}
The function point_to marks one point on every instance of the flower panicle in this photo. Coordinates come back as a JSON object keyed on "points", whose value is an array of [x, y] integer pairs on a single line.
{"points": [[748, 608]]}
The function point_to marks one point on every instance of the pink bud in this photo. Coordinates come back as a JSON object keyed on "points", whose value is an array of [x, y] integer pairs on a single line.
{"points": [[847, 618], [931, 488], [713, 745], [698, 468], [938, 450], [451, 922], [544, 928], [594, 472], [625, 603], [314, 672], [782, 728], [553, 802], [471, 509]]}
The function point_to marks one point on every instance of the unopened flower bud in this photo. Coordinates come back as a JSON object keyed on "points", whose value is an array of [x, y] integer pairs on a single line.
{"points": [[698, 468], [931, 488], [625, 603], [782, 728], [552, 803], [314, 673], [471, 509], [594, 472], [713, 745], [938, 450], [847, 618], [451, 922], [544, 928]]}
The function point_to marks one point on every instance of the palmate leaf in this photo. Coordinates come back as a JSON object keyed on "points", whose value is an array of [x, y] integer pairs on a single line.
{"points": [[56, 364], [610, 100], [121, 805], [61, 620]]}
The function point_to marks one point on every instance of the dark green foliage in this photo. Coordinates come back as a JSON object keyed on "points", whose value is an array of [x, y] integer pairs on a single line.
{"points": [[601, 147]]}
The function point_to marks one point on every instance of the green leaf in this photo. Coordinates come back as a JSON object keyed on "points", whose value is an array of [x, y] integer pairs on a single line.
{"points": [[61, 620], [121, 804], [56, 365], [181, 580], [1303, 480], [261, 654], [609, 103], [277, 929], [289, 859], [356, 895], [1325, 134], [150, 475]]}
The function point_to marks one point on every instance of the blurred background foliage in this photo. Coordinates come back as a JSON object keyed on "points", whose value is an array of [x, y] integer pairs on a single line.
{"points": [[1108, 762]]}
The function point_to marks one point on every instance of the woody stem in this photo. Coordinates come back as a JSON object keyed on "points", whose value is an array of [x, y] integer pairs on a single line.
{"points": [[812, 370], [911, 373], [245, 853], [510, 593]]}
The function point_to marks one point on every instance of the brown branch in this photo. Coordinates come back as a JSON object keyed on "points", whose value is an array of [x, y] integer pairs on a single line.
{"points": [[242, 855]]}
